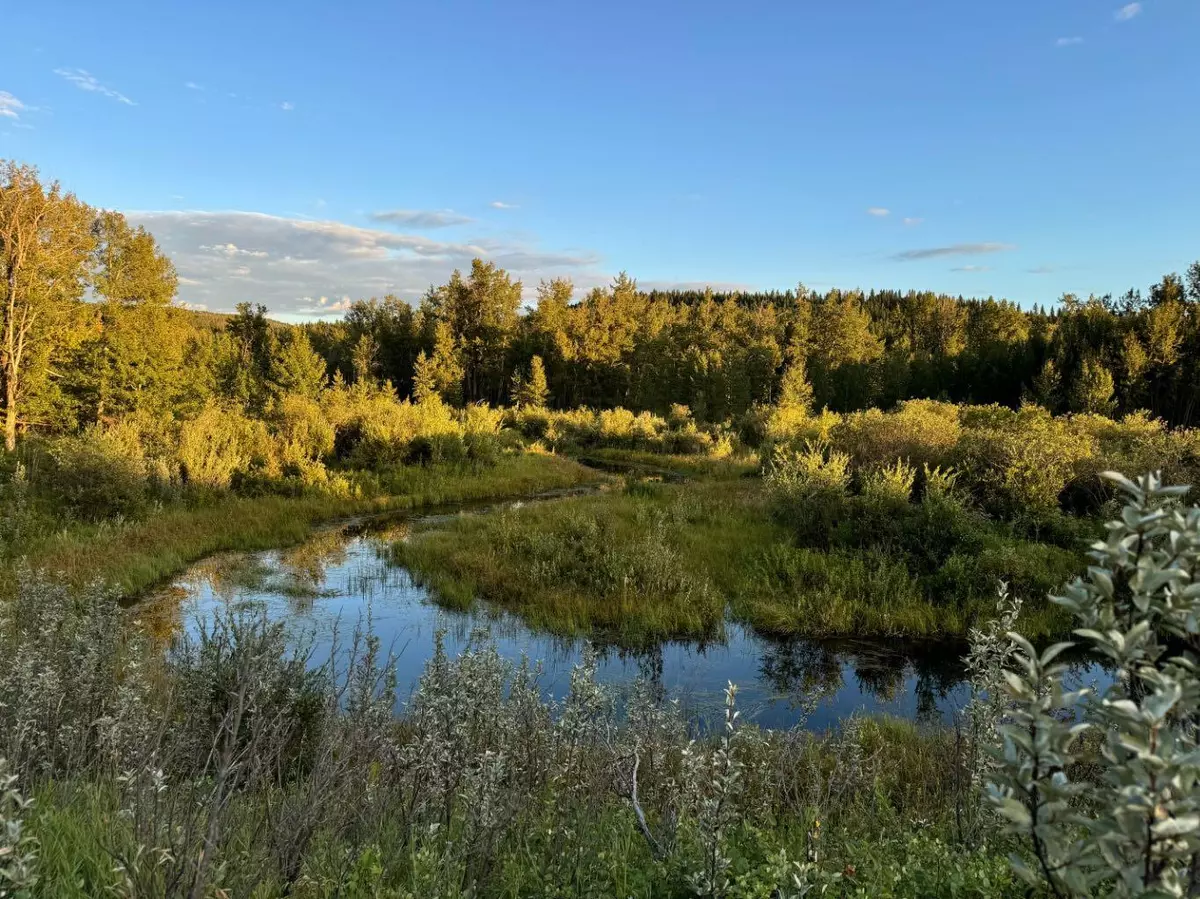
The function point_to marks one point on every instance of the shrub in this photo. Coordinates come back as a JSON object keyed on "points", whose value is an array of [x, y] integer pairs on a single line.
{"points": [[481, 427], [890, 485], [1135, 443], [920, 432], [808, 489], [374, 430], [100, 474], [1019, 463], [302, 432], [220, 443], [1131, 825]]}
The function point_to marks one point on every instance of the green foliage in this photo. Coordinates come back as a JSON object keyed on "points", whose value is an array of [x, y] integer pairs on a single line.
{"points": [[220, 443], [1131, 826], [297, 368], [101, 474]]}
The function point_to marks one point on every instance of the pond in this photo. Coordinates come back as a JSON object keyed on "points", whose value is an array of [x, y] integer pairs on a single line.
{"points": [[341, 575]]}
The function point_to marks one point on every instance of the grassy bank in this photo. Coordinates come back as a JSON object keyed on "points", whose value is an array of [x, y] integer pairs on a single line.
{"points": [[662, 560], [670, 466], [133, 555]]}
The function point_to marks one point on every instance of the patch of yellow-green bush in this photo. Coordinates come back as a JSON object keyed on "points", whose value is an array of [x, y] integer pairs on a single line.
{"points": [[220, 443], [619, 428], [918, 431]]}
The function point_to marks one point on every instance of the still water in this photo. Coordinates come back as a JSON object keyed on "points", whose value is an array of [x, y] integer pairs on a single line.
{"points": [[342, 576]]}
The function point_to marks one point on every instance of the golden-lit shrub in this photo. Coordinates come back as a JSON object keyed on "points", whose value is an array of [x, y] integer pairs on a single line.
{"points": [[220, 443], [303, 434], [890, 484], [373, 429], [100, 474], [808, 489], [918, 431], [1019, 463], [481, 427], [1139, 442]]}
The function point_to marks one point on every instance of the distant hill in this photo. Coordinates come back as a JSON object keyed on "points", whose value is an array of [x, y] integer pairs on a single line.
{"points": [[202, 320]]}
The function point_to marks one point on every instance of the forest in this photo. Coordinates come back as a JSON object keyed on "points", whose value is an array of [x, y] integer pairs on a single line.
{"points": [[806, 466]]}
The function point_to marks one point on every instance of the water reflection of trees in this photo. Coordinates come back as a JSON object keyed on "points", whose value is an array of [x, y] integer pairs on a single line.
{"points": [[807, 668]]}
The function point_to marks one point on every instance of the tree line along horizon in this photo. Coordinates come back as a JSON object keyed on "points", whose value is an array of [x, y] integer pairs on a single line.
{"points": [[89, 333]]}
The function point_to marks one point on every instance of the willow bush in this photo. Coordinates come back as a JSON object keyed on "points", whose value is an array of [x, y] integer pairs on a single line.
{"points": [[1126, 823]]}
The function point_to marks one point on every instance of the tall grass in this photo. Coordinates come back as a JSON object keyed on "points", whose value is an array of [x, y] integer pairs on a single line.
{"points": [[608, 565], [661, 560], [135, 554]]}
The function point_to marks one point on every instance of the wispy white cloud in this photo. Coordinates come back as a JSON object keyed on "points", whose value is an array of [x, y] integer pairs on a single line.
{"points": [[422, 218], [1042, 270], [972, 268], [1068, 41], [229, 249], [500, 204], [879, 211], [958, 249], [1127, 12], [287, 106], [911, 221], [193, 86], [86, 81], [288, 263], [10, 106]]}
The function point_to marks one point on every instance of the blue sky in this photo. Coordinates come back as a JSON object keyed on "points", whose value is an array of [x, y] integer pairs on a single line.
{"points": [[301, 153]]}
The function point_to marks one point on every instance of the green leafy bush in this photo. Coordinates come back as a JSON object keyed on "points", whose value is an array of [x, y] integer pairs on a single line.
{"points": [[221, 443], [99, 474], [1131, 825], [808, 489]]}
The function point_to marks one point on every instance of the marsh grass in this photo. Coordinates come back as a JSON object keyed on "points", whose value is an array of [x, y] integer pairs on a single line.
{"points": [[670, 466], [133, 555], [607, 564], [661, 560]]}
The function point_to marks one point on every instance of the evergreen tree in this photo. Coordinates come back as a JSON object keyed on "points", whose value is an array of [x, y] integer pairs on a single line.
{"points": [[1092, 389], [533, 391], [244, 356], [366, 366], [445, 366], [794, 390], [298, 368], [424, 380], [1047, 386]]}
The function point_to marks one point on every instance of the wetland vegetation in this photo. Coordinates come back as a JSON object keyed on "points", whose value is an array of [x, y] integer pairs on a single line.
{"points": [[882, 480]]}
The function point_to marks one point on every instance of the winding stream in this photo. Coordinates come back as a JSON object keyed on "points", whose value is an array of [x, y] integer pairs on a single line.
{"points": [[341, 575]]}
